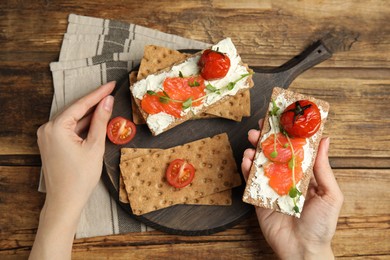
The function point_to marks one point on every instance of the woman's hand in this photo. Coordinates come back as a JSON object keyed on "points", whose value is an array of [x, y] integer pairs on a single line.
{"points": [[72, 166], [309, 236]]}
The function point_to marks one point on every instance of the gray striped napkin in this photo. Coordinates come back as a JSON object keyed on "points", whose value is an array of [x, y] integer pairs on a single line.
{"points": [[95, 51]]}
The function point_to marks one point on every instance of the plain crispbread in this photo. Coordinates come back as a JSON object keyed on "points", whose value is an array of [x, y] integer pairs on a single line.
{"points": [[222, 198], [212, 158], [314, 141], [156, 58]]}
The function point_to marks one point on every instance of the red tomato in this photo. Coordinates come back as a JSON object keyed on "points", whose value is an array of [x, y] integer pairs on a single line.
{"points": [[121, 130], [178, 89], [180, 173], [301, 119], [283, 148], [213, 64]]}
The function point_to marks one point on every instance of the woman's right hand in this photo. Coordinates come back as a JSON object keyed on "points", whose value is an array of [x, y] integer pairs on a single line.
{"points": [[307, 237]]}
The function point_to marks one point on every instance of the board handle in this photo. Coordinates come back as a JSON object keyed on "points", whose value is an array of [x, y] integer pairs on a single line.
{"points": [[313, 55]]}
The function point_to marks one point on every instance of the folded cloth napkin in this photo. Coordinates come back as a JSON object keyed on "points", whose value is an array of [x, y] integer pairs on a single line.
{"points": [[95, 51]]}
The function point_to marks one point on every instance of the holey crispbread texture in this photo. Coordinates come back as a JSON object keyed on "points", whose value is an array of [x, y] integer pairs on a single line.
{"points": [[257, 190], [162, 121], [223, 198], [215, 171]]}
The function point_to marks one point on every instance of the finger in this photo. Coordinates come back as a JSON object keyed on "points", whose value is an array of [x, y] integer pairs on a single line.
{"points": [[323, 172], [253, 136], [261, 122], [81, 107], [99, 121], [246, 163], [83, 124]]}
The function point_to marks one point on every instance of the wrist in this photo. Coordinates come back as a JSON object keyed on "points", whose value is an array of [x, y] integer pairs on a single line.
{"points": [[309, 252], [318, 252], [55, 233], [59, 216]]}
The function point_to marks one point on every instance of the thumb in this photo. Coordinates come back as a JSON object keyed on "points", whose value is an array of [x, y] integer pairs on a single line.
{"points": [[323, 172], [98, 128]]}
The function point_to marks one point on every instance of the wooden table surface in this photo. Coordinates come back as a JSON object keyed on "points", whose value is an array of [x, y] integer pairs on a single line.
{"points": [[355, 81]]}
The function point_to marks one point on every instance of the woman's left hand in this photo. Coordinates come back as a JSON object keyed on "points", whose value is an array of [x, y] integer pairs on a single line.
{"points": [[72, 166]]}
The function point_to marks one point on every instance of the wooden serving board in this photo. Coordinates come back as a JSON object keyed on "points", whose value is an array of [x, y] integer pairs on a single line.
{"points": [[194, 219]]}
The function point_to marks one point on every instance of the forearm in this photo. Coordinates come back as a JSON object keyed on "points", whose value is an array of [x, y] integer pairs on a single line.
{"points": [[55, 233]]}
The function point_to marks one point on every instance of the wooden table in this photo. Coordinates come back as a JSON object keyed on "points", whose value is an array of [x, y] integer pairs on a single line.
{"points": [[355, 81]]}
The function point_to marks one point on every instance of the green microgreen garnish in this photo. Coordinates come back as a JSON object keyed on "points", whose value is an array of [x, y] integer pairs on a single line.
{"points": [[181, 74], [187, 104], [164, 99], [193, 84], [294, 193], [230, 86], [273, 113], [211, 88], [275, 108]]}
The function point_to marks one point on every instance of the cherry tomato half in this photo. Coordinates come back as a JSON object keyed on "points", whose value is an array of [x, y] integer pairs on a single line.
{"points": [[180, 173], [121, 130], [301, 119], [213, 64]]}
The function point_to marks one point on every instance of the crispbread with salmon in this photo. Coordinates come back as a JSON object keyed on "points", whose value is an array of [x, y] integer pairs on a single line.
{"points": [[161, 122], [258, 190]]}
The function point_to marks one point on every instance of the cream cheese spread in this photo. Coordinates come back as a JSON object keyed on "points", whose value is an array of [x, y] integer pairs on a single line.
{"points": [[188, 68]]}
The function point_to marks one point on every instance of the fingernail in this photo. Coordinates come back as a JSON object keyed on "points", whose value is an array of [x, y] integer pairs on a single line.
{"points": [[108, 103]]}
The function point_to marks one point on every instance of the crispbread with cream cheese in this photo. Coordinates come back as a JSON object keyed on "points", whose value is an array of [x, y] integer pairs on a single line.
{"points": [[156, 58], [215, 171], [161, 122], [222, 198], [257, 190]]}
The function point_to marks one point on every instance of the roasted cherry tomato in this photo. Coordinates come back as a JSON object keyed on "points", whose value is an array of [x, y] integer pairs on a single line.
{"points": [[301, 119], [121, 130], [213, 64], [180, 173]]}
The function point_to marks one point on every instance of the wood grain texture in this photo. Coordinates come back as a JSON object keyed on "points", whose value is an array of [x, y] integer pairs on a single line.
{"points": [[360, 218], [355, 81]]}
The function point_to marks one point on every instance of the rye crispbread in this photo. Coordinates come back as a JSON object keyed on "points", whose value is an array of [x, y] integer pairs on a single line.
{"points": [[223, 198], [148, 190], [156, 58], [256, 171], [248, 83]]}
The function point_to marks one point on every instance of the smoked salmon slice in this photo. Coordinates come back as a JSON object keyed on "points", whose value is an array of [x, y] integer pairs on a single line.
{"points": [[280, 176], [283, 148]]}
